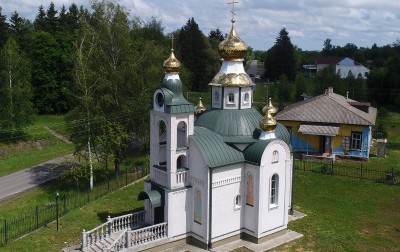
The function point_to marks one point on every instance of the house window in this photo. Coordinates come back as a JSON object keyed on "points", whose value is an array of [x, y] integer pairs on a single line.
{"points": [[238, 201], [231, 98], [346, 144], [356, 140], [274, 190]]}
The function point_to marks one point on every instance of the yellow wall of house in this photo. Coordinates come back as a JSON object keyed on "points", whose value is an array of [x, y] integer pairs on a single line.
{"points": [[314, 141]]}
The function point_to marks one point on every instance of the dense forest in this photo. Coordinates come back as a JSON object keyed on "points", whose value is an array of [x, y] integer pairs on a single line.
{"points": [[101, 66]]}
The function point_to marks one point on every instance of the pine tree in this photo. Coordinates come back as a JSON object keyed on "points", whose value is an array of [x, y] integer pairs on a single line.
{"points": [[40, 20], [280, 59], [4, 29]]}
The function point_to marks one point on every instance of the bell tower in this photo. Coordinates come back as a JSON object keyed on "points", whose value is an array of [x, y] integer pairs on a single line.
{"points": [[172, 121]]}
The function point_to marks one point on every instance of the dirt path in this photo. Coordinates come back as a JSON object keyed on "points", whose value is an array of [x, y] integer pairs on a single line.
{"points": [[61, 137]]}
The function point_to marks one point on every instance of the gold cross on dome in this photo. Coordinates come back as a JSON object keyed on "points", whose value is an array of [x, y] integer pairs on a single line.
{"points": [[172, 40], [233, 8]]}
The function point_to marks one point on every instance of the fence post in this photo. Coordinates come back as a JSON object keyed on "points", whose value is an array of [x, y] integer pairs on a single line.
{"points": [[37, 217], [304, 165], [5, 231], [65, 203], [87, 196], [84, 241], [393, 178], [126, 175], [361, 173], [332, 166]]}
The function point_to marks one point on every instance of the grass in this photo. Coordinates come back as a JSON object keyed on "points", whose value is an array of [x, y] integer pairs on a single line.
{"points": [[70, 226], [342, 215], [33, 145], [345, 215]]}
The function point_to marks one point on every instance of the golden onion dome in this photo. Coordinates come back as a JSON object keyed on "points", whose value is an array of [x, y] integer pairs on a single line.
{"points": [[199, 108], [268, 123], [172, 64], [272, 110], [232, 48]]}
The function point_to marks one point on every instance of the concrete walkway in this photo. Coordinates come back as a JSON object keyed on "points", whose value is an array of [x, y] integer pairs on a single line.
{"points": [[23, 180]]}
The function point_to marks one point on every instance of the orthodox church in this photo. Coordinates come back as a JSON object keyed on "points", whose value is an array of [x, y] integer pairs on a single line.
{"points": [[221, 173]]}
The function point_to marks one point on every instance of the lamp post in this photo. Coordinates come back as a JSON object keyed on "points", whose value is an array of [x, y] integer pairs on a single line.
{"points": [[57, 208]]}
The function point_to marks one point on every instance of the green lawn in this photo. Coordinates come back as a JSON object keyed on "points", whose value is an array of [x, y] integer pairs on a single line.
{"points": [[34, 145], [342, 215], [345, 215], [70, 226]]}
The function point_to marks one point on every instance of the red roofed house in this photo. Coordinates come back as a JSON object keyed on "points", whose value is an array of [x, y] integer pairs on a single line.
{"points": [[343, 66]]}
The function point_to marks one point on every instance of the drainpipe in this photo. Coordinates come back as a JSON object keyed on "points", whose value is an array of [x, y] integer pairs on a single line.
{"points": [[210, 210], [291, 203]]}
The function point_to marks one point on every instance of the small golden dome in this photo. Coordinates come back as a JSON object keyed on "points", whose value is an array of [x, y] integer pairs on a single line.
{"points": [[272, 110], [172, 64], [268, 123], [232, 48], [199, 108]]}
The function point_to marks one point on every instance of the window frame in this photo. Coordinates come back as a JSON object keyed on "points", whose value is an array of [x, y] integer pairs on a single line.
{"points": [[274, 191], [237, 201], [231, 95], [356, 140]]}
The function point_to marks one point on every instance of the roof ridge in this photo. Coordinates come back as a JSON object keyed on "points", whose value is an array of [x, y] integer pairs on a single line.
{"points": [[349, 108]]}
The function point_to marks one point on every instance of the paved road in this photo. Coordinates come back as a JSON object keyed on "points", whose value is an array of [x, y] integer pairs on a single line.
{"points": [[252, 71], [20, 181]]}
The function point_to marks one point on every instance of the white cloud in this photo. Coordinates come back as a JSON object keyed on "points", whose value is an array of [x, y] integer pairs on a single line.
{"points": [[309, 22]]}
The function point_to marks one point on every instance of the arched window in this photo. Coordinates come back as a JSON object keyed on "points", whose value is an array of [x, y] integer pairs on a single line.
{"points": [[181, 162], [231, 98], [181, 135], [238, 201], [246, 98], [216, 96], [275, 156], [274, 190], [162, 139]]}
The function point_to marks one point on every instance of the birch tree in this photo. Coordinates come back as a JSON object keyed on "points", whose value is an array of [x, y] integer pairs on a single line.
{"points": [[16, 108]]}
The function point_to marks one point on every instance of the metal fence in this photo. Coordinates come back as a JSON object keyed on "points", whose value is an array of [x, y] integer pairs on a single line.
{"points": [[11, 229], [350, 170]]}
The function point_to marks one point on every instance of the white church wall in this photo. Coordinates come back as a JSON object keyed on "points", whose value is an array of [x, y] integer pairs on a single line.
{"points": [[249, 208], [226, 213], [273, 216], [178, 202], [198, 179]]}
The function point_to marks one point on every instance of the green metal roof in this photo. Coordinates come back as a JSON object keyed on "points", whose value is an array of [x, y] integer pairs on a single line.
{"points": [[215, 152], [175, 102], [233, 125], [153, 195], [254, 152]]}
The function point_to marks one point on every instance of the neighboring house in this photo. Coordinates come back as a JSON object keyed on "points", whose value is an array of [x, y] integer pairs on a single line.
{"points": [[330, 124], [309, 71], [343, 66]]}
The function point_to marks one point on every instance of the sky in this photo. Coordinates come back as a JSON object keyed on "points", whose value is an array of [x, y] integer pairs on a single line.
{"points": [[258, 22]]}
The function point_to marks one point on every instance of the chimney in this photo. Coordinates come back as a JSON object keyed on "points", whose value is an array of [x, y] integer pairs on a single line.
{"points": [[329, 91]]}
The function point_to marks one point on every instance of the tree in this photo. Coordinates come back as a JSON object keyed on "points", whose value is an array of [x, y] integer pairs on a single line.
{"points": [[51, 20], [16, 109], [280, 59], [4, 29], [117, 67], [40, 20], [193, 51], [327, 49], [326, 78], [20, 28]]}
